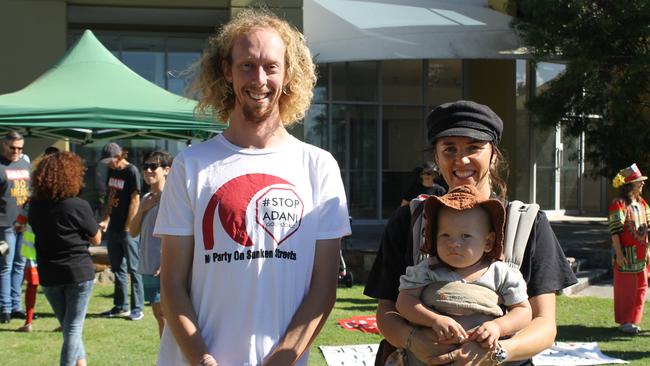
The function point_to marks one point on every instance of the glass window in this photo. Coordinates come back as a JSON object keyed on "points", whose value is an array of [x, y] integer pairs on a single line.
{"points": [[402, 81], [545, 167], [183, 52], [354, 145], [546, 145], [521, 171], [444, 81], [145, 56], [569, 172], [545, 72], [355, 81], [315, 126], [321, 91], [403, 145]]}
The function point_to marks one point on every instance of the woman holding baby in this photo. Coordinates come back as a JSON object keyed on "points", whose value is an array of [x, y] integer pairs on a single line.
{"points": [[464, 136]]}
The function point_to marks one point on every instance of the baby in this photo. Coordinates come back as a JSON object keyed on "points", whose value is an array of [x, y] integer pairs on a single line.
{"points": [[459, 290]]}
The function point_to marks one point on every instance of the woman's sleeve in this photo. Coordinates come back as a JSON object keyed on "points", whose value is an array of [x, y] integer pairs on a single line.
{"points": [[544, 266], [616, 216], [87, 218], [390, 263]]}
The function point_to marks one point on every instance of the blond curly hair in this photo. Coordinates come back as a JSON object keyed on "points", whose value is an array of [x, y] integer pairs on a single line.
{"points": [[215, 93]]}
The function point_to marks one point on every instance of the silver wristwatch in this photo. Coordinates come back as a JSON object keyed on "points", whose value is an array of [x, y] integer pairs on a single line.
{"points": [[499, 355]]}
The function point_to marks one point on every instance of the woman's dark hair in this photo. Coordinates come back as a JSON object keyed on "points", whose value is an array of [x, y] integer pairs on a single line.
{"points": [[625, 192], [162, 157], [58, 176], [499, 173]]}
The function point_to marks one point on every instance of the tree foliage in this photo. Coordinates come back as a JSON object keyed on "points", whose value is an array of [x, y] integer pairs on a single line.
{"points": [[604, 90]]}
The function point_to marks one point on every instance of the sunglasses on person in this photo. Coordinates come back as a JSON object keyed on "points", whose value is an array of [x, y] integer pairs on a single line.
{"points": [[151, 166]]}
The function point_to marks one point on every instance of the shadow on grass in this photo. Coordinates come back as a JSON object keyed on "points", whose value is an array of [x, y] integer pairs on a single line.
{"points": [[581, 333], [355, 304], [35, 330]]}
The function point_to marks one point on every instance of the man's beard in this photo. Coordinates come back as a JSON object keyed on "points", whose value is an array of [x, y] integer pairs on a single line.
{"points": [[255, 115]]}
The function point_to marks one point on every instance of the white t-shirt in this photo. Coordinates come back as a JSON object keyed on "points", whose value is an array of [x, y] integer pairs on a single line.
{"points": [[255, 215]]}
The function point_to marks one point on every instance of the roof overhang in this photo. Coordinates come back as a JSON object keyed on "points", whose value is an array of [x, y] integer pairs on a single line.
{"points": [[351, 30]]}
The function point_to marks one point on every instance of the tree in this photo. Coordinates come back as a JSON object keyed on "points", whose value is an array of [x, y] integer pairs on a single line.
{"points": [[604, 90]]}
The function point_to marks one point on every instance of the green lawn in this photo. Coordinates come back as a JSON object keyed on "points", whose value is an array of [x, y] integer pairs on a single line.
{"points": [[123, 342]]}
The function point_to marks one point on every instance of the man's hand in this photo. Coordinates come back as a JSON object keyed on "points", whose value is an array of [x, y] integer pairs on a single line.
{"points": [[487, 335]]}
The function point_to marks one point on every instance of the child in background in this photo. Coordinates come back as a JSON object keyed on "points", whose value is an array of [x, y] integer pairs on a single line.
{"points": [[31, 271], [155, 167], [31, 277], [458, 291]]}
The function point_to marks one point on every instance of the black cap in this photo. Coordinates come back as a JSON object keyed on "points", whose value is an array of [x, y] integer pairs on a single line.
{"points": [[110, 151], [466, 119]]}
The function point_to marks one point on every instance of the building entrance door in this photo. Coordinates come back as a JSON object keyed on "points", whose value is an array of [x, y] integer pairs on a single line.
{"points": [[557, 170]]}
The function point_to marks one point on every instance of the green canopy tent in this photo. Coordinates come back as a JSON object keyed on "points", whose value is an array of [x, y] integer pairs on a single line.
{"points": [[90, 95]]}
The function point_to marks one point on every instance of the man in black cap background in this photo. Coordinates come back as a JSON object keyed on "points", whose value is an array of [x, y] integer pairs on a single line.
{"points": [[123, 187]]}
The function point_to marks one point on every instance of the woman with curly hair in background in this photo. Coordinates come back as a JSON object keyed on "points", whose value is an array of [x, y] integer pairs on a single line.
{"points": [[64, 226]]}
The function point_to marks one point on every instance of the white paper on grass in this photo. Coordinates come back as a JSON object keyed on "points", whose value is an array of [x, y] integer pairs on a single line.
{"points": [[560, 354], [357, 355], [574, 354]]}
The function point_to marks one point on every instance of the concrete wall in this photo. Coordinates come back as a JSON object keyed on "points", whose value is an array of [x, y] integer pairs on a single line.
{"points": [[290, 10], [33, 37], [484, 78]]}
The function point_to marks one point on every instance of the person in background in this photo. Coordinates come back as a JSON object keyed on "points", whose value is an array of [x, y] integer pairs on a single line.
{"points": [[14, 192], [252, 219], [464, 136], [31, 272], [121, 204], [64, 226], [425, 184], [155, 168], [629, 217]]}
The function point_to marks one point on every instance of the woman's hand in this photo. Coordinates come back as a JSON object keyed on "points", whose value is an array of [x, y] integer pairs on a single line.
{"points": [[150, 201], [621, 260], [470, 353], [425, 347]]}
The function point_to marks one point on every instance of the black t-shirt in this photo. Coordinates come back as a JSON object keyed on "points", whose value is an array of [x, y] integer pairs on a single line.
{"points": [[62, 229], [121, 184], [544, 265], [14, 189]]}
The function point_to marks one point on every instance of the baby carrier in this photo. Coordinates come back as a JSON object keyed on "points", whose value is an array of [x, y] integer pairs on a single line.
{"points": [[520, 218]]}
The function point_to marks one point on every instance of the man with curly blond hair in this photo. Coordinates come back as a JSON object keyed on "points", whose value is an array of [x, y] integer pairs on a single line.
{"points": [[250, 220]]}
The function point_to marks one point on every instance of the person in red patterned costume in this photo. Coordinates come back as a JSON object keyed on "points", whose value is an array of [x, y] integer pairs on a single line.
{"points": [[628, 223]]}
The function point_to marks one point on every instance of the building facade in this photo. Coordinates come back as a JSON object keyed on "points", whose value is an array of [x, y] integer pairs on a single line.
{"points": [[368, 112]]}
